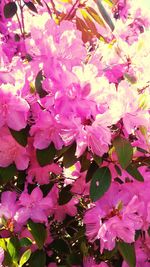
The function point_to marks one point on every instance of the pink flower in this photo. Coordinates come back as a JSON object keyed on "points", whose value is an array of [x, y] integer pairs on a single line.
{"points": [[8, 205], [116, 215], [33, 206], [46, 130], [98, 138], [41, 174], [11, 152], [89, 262], [60, 211], [13, 111]]}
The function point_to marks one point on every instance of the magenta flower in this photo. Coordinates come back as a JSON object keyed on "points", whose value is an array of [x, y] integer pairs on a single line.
{"points": [[40, 174], [8, 205], [33, 206], [116, 215], [13, 111], [89, 262], [60, 211], [45, 131], [11, 152]]}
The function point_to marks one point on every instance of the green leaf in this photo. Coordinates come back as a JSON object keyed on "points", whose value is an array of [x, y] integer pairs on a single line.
{"points": [[13, 248], [46, 156], [105, 15], [20, 136], [37, 259], [69, 158], [124, 151], [31, 6], [128, 253], [25, 242], [2, 243], [38, 232], [6, 174], [10, 10], [133, 171], [65, 195], [38, 84], [93, 167], [74, 259], [25, 257], [97, 159], [100, 183], [85, 162]]}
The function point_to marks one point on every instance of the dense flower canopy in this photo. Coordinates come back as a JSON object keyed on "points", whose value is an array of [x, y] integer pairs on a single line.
{"points": [[74, 133]]}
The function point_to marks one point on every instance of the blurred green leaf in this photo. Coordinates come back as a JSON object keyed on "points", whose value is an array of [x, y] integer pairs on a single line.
{"points": [[128, 253], [124, 151], [13, 248], [38, 232], [25, 242], [20, 136], [25, 257], [133, 171], [10, 9], [93, 167], [46, 156], [6, 174], [100, 183], [65, 195], [37, 259], [69, 158]]}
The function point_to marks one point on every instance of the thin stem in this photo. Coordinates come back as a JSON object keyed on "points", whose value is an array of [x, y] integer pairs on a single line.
{"points": [[20, 27], [22, 18], [72, 9]]}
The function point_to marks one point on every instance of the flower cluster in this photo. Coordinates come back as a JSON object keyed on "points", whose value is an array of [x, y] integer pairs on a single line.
{"points": [[74, 133]]}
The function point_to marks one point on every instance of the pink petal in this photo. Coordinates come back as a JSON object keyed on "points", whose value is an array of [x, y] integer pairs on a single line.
{"points": [[36, 194], [38, 215], [8, 198], [22, 215]]}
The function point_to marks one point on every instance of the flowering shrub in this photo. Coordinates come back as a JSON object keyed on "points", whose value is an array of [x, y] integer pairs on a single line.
{"points": [[74, 133]]}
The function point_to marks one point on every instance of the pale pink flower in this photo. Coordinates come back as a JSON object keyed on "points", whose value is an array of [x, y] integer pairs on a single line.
{"points": [[13, 111], [12, 152]]}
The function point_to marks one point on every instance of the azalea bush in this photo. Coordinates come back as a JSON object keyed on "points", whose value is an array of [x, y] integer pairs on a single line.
{"points": [[74, 133]]}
